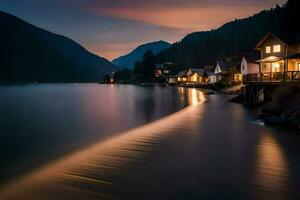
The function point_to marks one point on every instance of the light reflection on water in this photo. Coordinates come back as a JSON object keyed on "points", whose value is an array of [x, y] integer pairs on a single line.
{"points": [[272, 174], [208, 150], [93, 172]]}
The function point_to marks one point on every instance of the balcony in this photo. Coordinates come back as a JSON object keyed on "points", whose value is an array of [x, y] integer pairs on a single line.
{"points": [[273, 77]]}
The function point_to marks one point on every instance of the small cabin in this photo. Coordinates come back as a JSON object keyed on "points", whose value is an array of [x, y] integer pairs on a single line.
{"points": [[190, 76], [248, 65]]}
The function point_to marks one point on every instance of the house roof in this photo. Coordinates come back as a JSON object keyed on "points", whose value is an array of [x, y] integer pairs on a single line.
{"points": [[270, 59], [181, 73], [252, 57], [199, 71], [295, 56], [285, 37], [210, 73], [224, 66]]}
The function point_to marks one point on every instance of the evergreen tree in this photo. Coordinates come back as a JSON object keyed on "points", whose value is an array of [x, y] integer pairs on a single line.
{"points": [[148, 65]]}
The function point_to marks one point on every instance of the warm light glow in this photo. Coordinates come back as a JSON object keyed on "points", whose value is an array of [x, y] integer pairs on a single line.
{"points": [[194, 78], [109, 156], [268, 49], [195, 97], [237, 77], [275, 67], [277, 48], [271, 164]]}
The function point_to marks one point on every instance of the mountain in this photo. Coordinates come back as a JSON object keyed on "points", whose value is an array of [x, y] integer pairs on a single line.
{"points": [[232, 39], [128, 60], [31, 54]]}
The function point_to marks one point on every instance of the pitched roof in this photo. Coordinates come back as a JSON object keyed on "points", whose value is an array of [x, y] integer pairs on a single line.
{"points": [[224, 66], [285, 37], [181, 73], [295, 56], [252, 56], [270, 59], [199, 71], [210, 73]]}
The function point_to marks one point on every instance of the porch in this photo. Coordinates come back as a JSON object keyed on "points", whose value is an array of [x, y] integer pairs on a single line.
{"points": [[273, 77], [276, 69]]}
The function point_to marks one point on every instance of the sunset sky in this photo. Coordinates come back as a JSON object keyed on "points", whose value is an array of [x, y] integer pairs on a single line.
{"points": [[111, 28]]}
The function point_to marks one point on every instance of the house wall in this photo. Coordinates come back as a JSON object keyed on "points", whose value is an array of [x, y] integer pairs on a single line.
{"points": [[293, 65], [189, 72], [253, 68], [271, 41], [238, 77], [195, 78], [217, 68], [173, 80], [244, 66], [212, 79], [249, 68], [268, 67]]}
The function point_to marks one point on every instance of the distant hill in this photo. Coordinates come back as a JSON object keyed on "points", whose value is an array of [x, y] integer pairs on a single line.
{"points": [[232, 39], [29, 54], [128, 60]]}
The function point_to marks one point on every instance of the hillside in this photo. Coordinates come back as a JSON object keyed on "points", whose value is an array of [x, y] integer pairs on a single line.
{"points": [[31, 54], [232, 39], [128, 60]]}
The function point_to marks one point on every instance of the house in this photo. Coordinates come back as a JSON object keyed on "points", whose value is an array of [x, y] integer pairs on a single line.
{"points": [[162, 70], [216, 72], [248, 65], [190, 76], [280, 58]]}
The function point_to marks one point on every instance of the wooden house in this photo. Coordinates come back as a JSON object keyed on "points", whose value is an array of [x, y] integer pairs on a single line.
{"points": [[280, 58], [190, 76]]}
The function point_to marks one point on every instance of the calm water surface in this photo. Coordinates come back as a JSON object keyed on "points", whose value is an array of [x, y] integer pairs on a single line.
{"points": [[88, 141]]}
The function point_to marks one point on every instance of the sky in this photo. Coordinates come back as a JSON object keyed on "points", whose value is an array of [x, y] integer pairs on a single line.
{"points": [[110, 28]]}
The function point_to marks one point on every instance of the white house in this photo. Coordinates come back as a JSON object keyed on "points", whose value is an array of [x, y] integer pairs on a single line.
{"points": [[215, 74], [249, 66]]}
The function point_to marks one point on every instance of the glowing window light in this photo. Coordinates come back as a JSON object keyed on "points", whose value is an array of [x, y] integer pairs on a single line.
{"points": [[275, 67], [268, 49], [277, 48]]}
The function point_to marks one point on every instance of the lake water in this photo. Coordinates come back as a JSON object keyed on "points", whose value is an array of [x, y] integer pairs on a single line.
{"points": [[90, 141]]}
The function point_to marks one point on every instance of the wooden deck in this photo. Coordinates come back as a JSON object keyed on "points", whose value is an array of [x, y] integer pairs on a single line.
{"points": [[273, 77]]}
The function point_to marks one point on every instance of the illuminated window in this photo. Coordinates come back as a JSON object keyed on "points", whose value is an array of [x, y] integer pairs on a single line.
{"points": [[277, 48], [275, 67], [298, 67], [268, 49]]}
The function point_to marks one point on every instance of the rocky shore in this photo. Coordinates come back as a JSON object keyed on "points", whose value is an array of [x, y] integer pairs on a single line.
{"points": [[284, 110]]}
